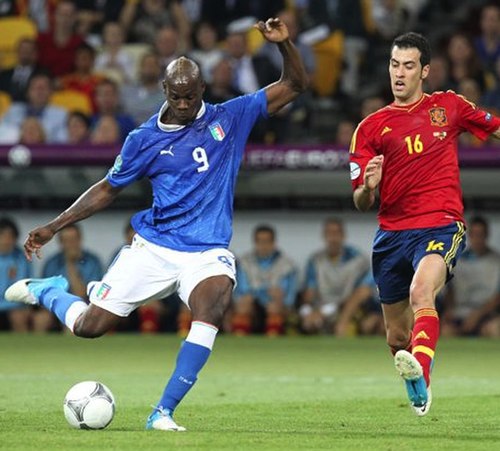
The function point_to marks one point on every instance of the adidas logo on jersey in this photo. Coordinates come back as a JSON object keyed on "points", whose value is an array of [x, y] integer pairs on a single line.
{"points": [[386, 130]]}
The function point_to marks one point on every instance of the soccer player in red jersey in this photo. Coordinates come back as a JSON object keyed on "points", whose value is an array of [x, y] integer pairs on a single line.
{"points": [[408, 152]]}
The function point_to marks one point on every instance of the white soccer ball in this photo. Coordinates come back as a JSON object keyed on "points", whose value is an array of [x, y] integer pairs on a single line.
{"points": [[89, 405]]}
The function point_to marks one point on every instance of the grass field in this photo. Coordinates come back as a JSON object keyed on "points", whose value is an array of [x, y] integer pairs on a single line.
{"points": [[255, 393]]}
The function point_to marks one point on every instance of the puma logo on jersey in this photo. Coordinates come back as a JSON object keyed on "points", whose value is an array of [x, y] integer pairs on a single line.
{"points": [[433, 246], [167, 152], [386, 130], [422, 335]]}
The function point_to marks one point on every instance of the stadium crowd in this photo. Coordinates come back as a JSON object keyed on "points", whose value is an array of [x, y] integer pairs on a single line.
{"points": [[89, 71]]}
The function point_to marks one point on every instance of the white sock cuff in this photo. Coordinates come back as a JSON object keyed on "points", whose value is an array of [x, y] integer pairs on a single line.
{"points": [[202, 334], [72, 314]]}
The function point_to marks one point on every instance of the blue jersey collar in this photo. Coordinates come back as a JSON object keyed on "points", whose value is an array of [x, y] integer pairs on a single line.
{"points": [[175, 127]]}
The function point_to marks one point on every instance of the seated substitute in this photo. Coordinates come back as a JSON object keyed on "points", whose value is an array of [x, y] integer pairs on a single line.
{"points": [[13, 266], [332, 274], [267, 284], [73, 262], [472, 301]]}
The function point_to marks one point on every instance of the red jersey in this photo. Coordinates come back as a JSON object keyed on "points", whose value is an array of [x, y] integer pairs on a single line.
{"points": [[420, 184]]}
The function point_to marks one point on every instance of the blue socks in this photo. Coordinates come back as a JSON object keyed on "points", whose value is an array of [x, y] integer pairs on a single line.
{"points": [[192, 357], [66, 306]]}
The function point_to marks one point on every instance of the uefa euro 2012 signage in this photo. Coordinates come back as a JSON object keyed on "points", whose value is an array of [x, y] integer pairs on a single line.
{"points": [[322, 157]]}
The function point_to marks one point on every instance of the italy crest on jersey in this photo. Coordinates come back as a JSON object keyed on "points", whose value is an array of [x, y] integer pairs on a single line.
{"points": [[438, 117], [217, 131]]}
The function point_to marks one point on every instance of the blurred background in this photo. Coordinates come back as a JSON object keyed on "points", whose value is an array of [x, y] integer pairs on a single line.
{"points": [[77, 76]]}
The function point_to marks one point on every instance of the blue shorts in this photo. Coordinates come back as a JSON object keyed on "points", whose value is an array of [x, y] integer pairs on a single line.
{"points": [[396, 256]]}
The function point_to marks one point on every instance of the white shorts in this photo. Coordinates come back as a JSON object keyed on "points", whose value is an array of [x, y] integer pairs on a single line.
{"points": [[144, 271]]}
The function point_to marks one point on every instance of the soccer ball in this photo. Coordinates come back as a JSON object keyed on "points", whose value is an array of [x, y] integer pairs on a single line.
{"points": [[89, 405]]}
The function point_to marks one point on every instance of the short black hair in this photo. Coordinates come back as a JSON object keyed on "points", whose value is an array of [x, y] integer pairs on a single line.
{"points": [[8, 224], [414, 40], [481, 221], [264, 228]]}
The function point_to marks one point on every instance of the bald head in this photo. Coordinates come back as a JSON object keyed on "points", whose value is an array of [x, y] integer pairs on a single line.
{"points": [[182, 71]]}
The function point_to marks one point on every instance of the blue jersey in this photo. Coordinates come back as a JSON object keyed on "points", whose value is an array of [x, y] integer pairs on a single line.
{"points": [[193, 172]]}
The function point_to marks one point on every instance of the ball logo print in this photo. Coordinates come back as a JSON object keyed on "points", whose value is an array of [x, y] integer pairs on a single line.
{"points": [[89, 405]]}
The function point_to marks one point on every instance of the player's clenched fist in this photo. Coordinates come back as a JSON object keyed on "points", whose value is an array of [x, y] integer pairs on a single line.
{"points": [[373, 172]]}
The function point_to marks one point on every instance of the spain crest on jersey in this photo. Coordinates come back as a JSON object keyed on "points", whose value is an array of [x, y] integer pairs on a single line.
{"points": [[217, 131], [438, 117]]}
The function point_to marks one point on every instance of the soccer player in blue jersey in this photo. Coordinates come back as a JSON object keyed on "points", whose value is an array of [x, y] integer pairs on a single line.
{"points": [[191, 152]]}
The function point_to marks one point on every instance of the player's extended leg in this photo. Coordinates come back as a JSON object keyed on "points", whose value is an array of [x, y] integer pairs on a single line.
{"points": [[208, 302], [84, 320], [398, 319], [428, 280]]}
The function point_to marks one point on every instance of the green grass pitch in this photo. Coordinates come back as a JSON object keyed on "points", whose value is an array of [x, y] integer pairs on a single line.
{"points": [[255, 393]]}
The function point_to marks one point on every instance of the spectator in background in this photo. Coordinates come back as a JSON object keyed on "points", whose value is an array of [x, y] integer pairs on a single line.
{"points": [[78, 128], [13, 267], [206, 51], [52, 118], [472, 302], [221, 88], [114, 60], [108, 104], [266, 284], [361, 312], [439, 76], [93, 15], [15, 81], [83, 79], [75, 263], [463, 62], [272, 53], [344, 132], [332, 275], [142, 99], [469, 88], [166, 46], [371, 104], [32, 132], [106, 131], [143, 19], [249, 72], [57, 48], [487, 44]]}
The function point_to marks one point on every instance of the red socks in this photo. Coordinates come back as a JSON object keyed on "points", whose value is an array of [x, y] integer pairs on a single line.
{"points": [[425, 337]]}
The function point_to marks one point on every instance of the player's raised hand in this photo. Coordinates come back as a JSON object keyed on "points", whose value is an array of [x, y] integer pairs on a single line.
{"points": [[373, 172], [274, 30], [36, 239]]}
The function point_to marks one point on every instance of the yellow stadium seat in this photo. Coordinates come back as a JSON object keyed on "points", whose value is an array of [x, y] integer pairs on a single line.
{"points": [[329, 54], [13, 29], [5, 102], [71, 100]]}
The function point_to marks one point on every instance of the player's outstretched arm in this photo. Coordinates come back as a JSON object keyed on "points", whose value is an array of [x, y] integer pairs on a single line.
{"points": [[293, 80], [96, 198], [364, 195]]}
